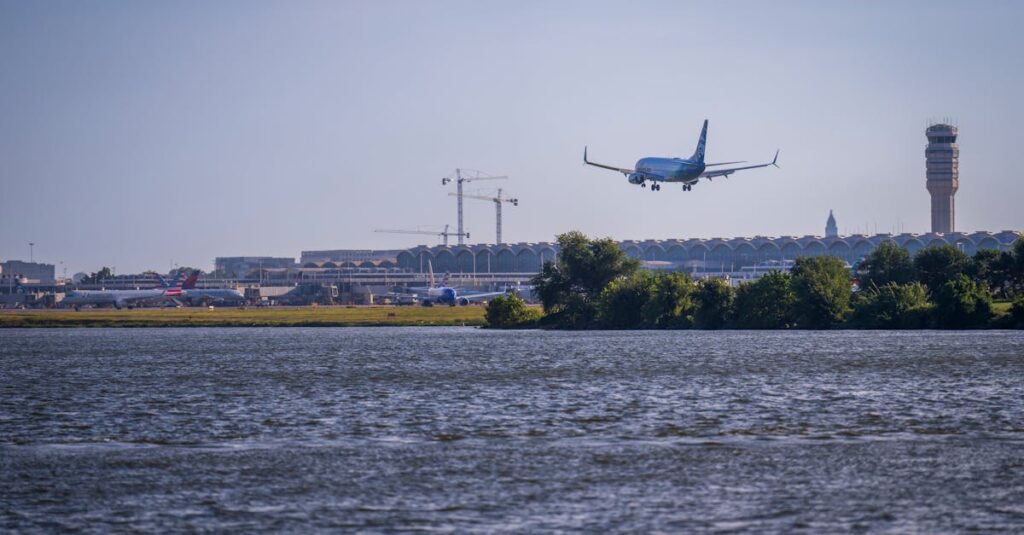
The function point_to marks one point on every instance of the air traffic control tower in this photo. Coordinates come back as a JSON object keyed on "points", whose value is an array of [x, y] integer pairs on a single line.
{"points": [[942, 156]]}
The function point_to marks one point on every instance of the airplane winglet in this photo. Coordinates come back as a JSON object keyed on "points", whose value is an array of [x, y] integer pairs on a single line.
{"points": [[585, 154], [776, 158]]}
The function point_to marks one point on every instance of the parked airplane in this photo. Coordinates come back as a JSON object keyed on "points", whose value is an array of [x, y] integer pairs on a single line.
{"points": [[123, 298], [446, 295], [209, 296], [688, 171]]}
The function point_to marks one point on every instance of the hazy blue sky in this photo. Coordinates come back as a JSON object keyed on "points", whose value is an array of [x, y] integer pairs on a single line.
{"points": [[140, 133]]}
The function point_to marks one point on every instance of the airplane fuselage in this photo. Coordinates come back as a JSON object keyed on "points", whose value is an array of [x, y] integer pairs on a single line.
{"points": [[666, 170], [444, 296], [115, 298], [197, 296]]}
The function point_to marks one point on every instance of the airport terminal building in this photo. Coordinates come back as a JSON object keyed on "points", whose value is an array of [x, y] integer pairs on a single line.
{"points": [[694, 255]]}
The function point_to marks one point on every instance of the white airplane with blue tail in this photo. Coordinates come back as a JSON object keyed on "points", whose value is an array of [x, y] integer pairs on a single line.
{"points": [[687, 171], [444, 294]]}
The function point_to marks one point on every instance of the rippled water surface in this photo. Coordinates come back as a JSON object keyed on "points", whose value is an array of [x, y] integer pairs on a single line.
{"points": [[469, 430]]}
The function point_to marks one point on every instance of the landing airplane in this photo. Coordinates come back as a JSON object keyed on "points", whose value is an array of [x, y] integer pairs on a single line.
{"points": [[446, 295], [124, 298], [688, 171]]}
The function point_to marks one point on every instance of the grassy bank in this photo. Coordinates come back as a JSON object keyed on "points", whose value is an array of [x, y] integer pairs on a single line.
{"points": [[251, 317]]}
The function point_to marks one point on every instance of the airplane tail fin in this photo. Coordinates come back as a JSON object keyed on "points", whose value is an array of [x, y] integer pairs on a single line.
{"points": [[175, 282], [190, 282], [430, 271], [698, 155]]}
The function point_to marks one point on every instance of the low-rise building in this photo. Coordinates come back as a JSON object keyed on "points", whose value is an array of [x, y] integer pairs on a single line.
{"points": [[34, 272], [241, 266]]}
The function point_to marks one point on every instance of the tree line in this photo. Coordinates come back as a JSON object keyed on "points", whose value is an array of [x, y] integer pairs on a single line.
{"points": [[594, 285]]}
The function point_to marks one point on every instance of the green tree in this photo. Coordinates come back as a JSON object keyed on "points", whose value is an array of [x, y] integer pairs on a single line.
{"points": [[892, 306], [568, 288], [994, 269], [887, 263], [510, 312], [935, 266], [713, 304], [621, 303], [1017, 312], [766, 303], [98, 277], [962, 303], [822, 288], [671, 303], [1015, 267]]}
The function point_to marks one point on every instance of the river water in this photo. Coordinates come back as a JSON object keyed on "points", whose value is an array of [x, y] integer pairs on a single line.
{"points": [[455, 429]]}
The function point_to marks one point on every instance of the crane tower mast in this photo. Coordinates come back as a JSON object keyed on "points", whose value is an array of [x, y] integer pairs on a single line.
{"points": [[463, 176]]}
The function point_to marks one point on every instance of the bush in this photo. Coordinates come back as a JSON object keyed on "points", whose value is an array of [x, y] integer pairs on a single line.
{"points": [[892, 306], [647, 301], [510, 312], [671, 302], [822, 288], [621, 304], [766, 303], [713, 304], [962, 303]]}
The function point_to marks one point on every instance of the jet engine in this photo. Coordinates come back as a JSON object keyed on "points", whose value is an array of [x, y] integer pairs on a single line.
{"points": [[635, 178], [463, 301]]}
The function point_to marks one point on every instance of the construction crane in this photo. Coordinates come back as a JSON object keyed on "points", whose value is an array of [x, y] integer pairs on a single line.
{"points": [[444, 233], [497, 207], [459, 179]]}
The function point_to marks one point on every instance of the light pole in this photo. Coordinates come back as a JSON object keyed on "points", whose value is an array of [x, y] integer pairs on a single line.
{"points": [[31, 256]]}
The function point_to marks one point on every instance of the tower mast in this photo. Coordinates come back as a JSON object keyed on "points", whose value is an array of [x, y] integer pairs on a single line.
{"points": [[942, 161]]}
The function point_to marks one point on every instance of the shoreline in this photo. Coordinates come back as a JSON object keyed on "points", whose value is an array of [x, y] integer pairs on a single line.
{"points": [[322, 316]]}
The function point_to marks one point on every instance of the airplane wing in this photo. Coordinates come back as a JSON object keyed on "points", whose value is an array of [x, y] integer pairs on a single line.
{"points": [[726, 172], [473, 297], [722, 163], [622, 170]]}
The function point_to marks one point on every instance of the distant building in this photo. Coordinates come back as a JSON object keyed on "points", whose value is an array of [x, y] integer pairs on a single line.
{"points": [[33, 271], [942, 160], [351, 257], [831, 230], [241, 266], [695, 255]]}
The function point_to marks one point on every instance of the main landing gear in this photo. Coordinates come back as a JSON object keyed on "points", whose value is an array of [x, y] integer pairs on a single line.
{"points": [[655, 187], [687, 187]]}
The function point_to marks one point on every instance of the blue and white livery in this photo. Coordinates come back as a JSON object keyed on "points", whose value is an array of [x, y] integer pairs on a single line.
{"points": [[687, 171], [446, 295]]}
